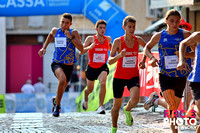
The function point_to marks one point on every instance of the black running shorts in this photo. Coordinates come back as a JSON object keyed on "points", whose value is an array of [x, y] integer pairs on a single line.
{"points": [[119, 84], [93, 73], [175, 83], [68, 69]]}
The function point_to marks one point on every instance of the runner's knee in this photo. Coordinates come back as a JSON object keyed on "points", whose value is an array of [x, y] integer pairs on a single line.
{"points": [[103, 83], [63, 81], [116, 108]]}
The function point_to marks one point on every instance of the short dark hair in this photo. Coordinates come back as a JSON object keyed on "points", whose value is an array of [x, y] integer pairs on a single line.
{"points": [[100, 22], [128, 19], [172, 12], [67, 15]]}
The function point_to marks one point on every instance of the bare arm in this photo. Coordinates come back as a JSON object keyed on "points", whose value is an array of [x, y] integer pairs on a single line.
{"points": [[88, 44], [50, 37], [192, 40], [75, 38], [189, 54], [192, 53], [116, 48], [142, 43], [147, 49], [109, 43]]}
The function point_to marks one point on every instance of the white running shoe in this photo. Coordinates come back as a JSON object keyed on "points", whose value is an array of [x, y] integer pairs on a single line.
{"points": [[101, 110], [150, 101]]}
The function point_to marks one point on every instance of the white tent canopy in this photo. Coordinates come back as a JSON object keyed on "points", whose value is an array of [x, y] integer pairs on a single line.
{"points": [[169, 3]]}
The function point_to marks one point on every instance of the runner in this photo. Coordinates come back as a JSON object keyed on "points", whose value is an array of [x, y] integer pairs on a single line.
{"points": [[194, 77], [126, 73], [66, 40], [154, 99], [97, 47], [172, 81]]}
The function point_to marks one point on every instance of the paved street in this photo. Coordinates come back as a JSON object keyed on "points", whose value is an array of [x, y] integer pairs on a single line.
{"points": [[86, 122]]}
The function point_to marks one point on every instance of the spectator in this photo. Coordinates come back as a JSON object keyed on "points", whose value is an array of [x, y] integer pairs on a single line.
{"points": [[28, 87], [39, 86], [184, 25]]}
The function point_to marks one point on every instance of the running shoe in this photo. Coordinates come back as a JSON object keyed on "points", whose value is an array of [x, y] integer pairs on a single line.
{"points": [[113, 130], [56, 111], [129, 119], [85, 105], [101, 110], [150, 101], [53, 103]]}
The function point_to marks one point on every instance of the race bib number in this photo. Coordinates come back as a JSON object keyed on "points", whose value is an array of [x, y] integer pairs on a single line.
{"points": [[60, 42], [129, 62], [171, 62], [99, 57]]}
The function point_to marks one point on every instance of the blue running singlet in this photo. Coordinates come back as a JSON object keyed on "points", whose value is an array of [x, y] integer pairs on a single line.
{"points": [[168, 61], [64, 48], [195, 74]]}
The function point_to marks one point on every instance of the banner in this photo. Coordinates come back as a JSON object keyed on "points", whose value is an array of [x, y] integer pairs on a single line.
{"points": [[2, 103], [39, 7]]}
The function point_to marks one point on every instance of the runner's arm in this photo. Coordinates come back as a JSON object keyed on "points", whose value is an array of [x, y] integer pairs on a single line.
{"points": [[143, 44], [50, 37], [116, 48], [147, 49], [142, 62], [109, 43], [76, 40], [153, 41], [88, 44], [192, 40]]}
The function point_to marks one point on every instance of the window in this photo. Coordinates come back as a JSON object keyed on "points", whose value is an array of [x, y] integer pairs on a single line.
{"points": [[151, 13]]}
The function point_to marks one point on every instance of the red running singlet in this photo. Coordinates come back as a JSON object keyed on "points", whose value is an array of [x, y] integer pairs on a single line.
{"points": [[127, 67], [99, 54]]}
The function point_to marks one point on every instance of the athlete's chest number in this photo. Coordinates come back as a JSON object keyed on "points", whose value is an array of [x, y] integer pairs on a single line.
{"points": [[60, 41], [129, 62], [171, 62], [99, 58]]}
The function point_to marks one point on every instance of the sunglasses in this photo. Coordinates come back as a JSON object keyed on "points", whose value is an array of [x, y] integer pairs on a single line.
{"points": [[183, 26]]}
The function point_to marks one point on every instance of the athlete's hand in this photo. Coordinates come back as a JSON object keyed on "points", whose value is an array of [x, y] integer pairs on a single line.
{"points": [[181, 65], [142, 64], [41, 52], [123, 53], [67, 33], [154, 62]]}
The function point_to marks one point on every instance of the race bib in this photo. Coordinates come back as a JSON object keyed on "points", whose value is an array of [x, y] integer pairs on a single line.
{"points": [[171, 62], [60, 42], [129, 62], [99, 57]]}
